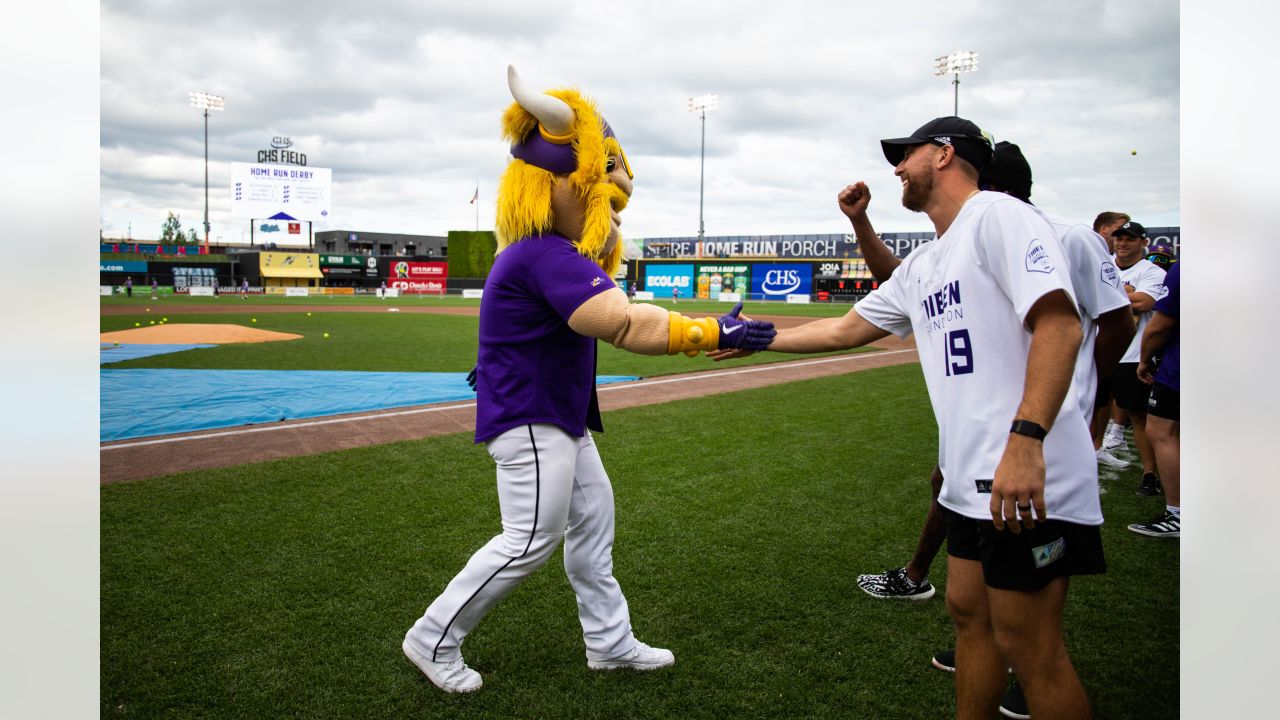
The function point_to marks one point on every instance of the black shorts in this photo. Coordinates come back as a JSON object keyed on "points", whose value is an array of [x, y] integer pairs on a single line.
{"points": [[1130, 392], [1164, 402], [1029, 560]]}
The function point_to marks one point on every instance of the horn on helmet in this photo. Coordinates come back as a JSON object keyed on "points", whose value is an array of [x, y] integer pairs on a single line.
{"points": [[553, 114]]}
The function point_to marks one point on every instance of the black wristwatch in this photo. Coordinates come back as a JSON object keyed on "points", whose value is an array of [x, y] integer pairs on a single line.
{"points": [[1028, 428]]}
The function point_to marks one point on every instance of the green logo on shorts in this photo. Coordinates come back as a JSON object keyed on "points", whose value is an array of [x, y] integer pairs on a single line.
{"points": [[1046, 554]]}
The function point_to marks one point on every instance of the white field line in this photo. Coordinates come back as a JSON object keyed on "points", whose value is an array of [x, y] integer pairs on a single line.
{"points": [[438, 408]]}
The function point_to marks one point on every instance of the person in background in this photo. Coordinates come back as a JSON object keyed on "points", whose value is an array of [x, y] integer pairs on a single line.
{"points": [[1143, 282], [1162, 338], [1108, 435]]}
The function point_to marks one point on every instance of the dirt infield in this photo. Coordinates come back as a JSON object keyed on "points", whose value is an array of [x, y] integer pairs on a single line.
{"points": [[216, 334], [164, 455]]}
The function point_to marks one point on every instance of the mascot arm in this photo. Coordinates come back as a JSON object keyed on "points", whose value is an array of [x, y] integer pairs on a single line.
{"points": [[642, 328]]}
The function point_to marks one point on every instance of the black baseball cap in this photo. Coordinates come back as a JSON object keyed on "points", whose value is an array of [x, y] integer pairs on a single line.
{"points": [[967, 138], [1008, 171], [1131, 229]]}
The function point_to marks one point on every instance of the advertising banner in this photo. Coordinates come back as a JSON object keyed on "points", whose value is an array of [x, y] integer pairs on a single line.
{"points": [[123, 266], [770, 246], [279, 192], [418, 287], [289, 265], [419, 278], [154, 249], [338, 271], [344, 261], [662, 279], [410, 270], [775, 282], [715, 279]]}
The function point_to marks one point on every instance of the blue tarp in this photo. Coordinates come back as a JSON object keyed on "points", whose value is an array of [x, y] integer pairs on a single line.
{"points": [[144, 402], [129, 351]]}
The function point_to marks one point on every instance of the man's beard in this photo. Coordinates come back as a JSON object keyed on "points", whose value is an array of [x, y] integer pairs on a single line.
{"points": [[915, 196]]}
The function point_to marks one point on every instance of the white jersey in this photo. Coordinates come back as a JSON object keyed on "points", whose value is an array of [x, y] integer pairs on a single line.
{"points": [[1145, 277], [965, 296], [1096, 282]]}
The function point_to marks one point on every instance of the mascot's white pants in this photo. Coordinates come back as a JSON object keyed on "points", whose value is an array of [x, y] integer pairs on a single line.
{"points": [[550, 485]]}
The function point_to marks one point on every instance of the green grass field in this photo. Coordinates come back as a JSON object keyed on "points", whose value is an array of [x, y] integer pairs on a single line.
{"points": [[141, 300], [386, 342], [283, 589]]}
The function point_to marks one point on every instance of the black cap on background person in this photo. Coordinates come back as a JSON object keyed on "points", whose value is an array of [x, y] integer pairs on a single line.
{"points": [[1132, 229], [1008, 172], [970, 142]]}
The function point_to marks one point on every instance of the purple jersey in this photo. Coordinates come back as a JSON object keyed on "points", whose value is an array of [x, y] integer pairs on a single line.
{"points": [[531, 367], [1167, 372]]}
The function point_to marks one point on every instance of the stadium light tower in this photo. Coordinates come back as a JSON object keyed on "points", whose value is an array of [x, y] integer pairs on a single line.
{"points": [[701, 105], [957, 62], [206, 102]]}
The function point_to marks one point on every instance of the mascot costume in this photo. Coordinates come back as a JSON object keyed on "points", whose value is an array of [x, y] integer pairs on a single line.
{"points": [[549, 296]]}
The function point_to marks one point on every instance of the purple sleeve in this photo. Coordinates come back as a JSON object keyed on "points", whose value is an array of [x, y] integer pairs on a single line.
{"points": [[1168, 305], [567, 279]]}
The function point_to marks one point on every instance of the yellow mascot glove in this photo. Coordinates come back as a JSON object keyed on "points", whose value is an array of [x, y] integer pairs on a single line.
{"points": [[689, 335]]}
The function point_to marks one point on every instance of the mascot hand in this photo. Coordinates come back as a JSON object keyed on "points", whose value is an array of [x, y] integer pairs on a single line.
{"points": [[471, 379], [740, 334]]}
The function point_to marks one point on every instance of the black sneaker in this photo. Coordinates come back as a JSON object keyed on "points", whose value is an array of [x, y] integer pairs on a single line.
{"points": [[895, 584], [1167, 525], [1014, 704], [945, 660], [1150, 486]]}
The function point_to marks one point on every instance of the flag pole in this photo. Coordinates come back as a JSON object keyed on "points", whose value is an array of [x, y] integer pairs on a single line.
{"points": [[477, 201]]}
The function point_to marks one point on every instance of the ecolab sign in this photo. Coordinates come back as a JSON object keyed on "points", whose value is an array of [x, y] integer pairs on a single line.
{"points": [[778, 281], [661, 280], [419, 277]]}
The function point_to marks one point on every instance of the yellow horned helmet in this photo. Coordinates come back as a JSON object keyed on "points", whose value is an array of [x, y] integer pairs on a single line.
{"points": [[566, 162]]}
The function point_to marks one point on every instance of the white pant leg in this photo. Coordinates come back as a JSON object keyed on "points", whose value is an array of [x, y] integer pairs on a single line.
{"points": [[588, 559], [536, 465]]}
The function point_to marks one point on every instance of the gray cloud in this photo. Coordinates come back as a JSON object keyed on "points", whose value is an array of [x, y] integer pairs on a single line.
{"points": [[403, 99]]}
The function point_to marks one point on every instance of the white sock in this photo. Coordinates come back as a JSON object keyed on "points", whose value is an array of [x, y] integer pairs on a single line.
{"points": [[1174, 511]]}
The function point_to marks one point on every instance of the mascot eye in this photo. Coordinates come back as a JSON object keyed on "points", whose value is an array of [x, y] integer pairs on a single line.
{"points": [[610, 165]]}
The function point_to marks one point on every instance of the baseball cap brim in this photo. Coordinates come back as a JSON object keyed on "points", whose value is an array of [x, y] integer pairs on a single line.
{"points": [[895, 149]]}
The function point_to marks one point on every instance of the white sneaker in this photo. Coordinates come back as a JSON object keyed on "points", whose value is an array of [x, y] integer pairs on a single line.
{"points": [[1113, 438], [451, 677], [1106, 458], [640, 657]]}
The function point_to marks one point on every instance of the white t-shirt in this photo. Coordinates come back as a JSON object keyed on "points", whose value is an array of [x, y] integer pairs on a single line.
{"points": [[1145, 277], [965, 296], [1098, 290]]}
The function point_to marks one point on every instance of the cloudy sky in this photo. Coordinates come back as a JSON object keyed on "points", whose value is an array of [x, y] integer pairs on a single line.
{"points": [[402, 100]]}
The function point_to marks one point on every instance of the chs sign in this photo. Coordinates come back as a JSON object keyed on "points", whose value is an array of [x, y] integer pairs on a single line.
{"points": [[279, 152]]}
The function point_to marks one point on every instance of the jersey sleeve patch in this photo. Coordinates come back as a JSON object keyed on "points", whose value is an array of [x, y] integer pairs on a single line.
{"points": [[1038, 258], [1110, 275]]}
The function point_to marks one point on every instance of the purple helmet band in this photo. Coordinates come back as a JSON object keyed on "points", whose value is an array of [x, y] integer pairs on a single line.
{"points": [[558, 159]]}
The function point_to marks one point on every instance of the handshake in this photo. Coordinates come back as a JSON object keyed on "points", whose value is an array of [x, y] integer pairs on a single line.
{"points": [[737, 333], [729, 332]]}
